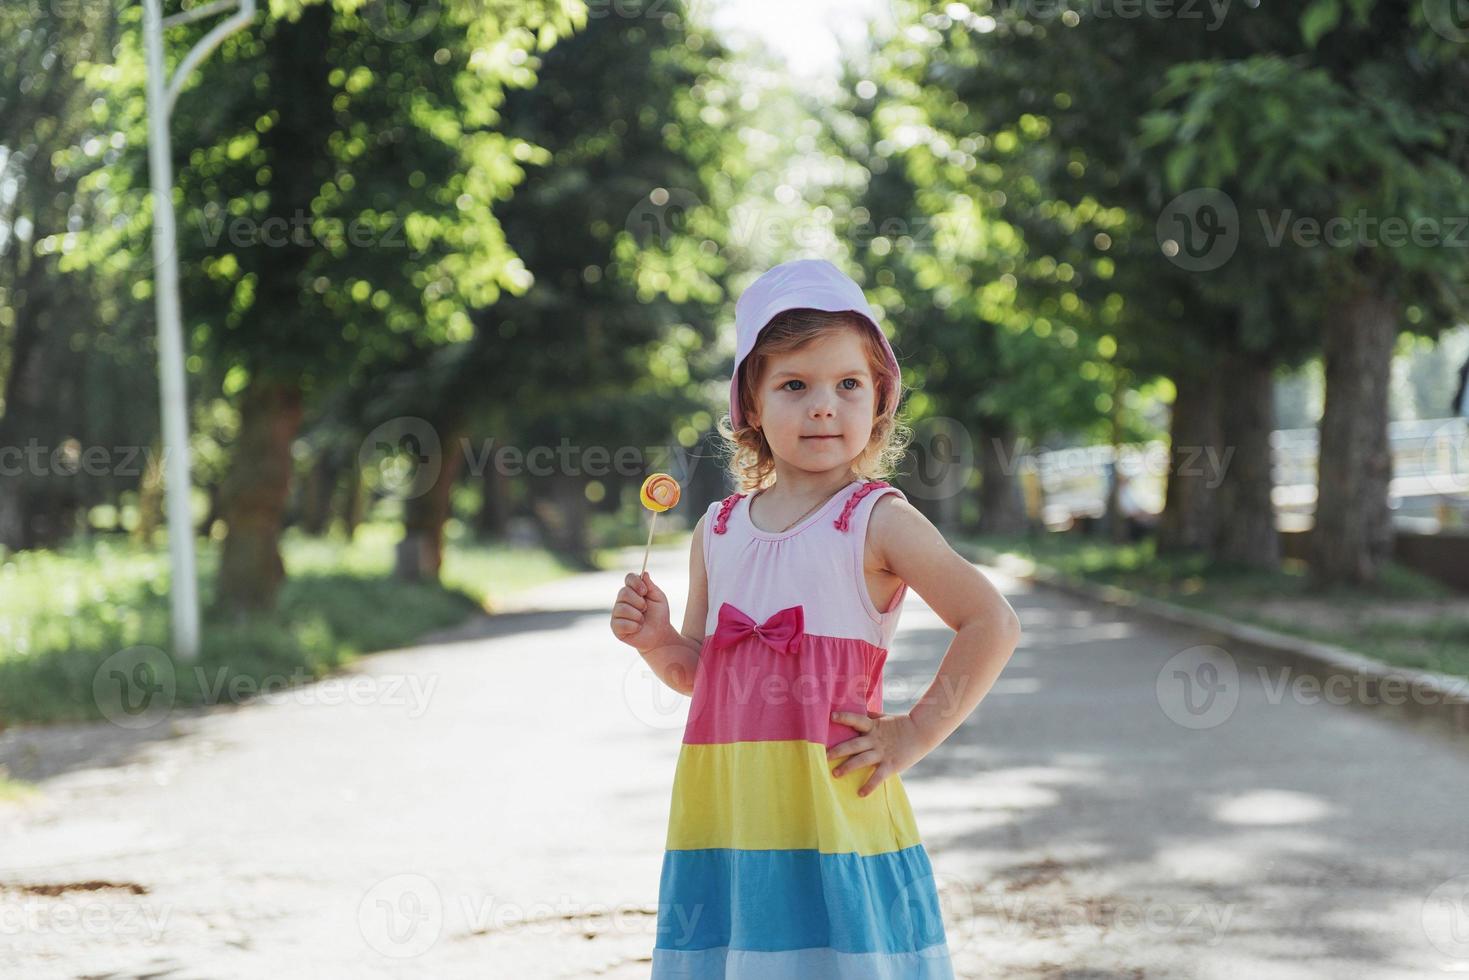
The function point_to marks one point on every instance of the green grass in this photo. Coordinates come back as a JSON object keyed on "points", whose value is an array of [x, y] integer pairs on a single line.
{"points": [[14, 791], [1367, 620], [63, 613], [483, 572]]}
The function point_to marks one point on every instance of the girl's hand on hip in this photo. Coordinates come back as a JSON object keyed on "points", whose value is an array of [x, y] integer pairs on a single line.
{"points": [[891, 743]]}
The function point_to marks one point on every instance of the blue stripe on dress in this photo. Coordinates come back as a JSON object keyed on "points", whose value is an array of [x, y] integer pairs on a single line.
{"points": [[774, 900], [801, 964]]}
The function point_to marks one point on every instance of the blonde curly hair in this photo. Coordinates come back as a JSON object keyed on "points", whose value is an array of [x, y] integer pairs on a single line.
{"points": [[748, 457]]}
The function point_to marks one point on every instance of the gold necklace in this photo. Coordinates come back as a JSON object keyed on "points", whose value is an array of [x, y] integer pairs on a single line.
{"points": [[809, 512]]}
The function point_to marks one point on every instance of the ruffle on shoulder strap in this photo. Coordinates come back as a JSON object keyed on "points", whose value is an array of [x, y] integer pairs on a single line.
{"points": [[722, 520], [845, 521]]}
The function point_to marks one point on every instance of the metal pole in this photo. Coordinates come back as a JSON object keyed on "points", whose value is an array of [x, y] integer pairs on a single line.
{"points": [[171, 375]]}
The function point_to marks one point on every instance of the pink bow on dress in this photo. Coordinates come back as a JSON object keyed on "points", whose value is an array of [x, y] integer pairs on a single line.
{"points": [[782, 632]]}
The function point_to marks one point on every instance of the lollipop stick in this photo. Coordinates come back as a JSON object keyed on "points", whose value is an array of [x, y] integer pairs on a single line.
{"points": [[650, 540]]}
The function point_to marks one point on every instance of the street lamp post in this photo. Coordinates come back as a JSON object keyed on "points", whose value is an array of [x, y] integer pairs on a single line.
{"points": [[163, 92]]}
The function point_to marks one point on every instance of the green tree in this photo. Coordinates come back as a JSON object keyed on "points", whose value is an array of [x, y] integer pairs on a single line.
{"points": [[1362, 118], [1054, 106], [625, 230], [341, 202], [1032, 240], [76, 377]]}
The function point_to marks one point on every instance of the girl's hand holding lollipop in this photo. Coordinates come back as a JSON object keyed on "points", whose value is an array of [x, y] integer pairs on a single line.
{"points": [[640, 616]]}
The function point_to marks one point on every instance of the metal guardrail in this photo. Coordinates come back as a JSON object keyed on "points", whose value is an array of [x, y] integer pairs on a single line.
{"points": [[1429, 488]]}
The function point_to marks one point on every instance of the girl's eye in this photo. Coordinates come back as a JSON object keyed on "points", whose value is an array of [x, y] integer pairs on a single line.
{"points": [[793, 381], [855, 383]]}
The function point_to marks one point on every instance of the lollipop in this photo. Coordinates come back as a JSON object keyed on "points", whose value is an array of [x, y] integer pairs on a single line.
{"points": [[660, 492]]}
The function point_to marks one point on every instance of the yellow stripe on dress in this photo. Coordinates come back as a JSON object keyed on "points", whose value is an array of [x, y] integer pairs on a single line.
{"points": [[781, 795]]}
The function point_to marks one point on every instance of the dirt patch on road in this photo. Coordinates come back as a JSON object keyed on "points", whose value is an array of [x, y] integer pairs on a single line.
{"points": [[51, 890]]}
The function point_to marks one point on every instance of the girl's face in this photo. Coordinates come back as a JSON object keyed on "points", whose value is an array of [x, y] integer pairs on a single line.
{"points": [[816, 405]]}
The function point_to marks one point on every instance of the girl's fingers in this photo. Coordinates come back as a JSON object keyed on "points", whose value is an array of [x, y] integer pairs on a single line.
{"points": [[869, 758], [873, 781], [627, 612], [851, 719], [851, 745]]}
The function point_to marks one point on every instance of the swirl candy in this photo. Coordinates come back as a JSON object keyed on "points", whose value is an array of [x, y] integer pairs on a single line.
{"points": [[660, 492]]}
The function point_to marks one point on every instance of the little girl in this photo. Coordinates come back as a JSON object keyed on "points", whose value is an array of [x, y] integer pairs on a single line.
{"points": [[792, 851]]}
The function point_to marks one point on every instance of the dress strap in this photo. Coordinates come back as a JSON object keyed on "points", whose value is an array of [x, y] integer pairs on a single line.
{"points": [[845, 521], [722, 521]]}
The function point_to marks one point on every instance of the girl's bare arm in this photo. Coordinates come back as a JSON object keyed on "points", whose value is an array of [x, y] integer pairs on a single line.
{"points": [[986, 627]]}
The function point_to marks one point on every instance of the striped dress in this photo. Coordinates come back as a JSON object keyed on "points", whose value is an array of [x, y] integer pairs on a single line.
{"points": [[774, 868]]}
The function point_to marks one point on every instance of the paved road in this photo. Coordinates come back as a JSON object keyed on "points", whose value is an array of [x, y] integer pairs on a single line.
{"points": [[1127, 802]]}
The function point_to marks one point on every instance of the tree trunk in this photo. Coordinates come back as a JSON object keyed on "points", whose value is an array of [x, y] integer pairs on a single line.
{"points": [[1001, 507], [1196, 453], [316, 498], [150, 496], [23, 472], [350, 507], [1113, 519], [1245, 532], [1033, 490], [563, 518], [494, 511], [421, 551], [256, 493], [214, 514], [254, 496], [1352, 535], [45, 409]]}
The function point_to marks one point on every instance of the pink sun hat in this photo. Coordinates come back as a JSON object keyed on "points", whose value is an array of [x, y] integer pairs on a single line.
{"points": [[813, 284]]}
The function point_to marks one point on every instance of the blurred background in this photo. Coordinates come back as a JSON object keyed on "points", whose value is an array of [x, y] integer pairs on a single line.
{"points": [[1180, 291]]}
